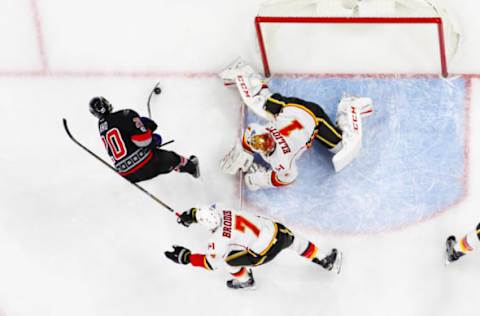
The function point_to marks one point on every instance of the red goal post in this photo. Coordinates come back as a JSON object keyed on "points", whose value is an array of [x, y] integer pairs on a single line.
{"points": [[436, 21]]}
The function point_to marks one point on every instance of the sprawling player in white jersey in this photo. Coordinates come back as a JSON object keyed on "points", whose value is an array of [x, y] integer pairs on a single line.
{"points": [[240, 241], [293, 125]]}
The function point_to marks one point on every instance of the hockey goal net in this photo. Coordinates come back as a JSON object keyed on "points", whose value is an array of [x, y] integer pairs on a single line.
{"points": [[356, 36]]}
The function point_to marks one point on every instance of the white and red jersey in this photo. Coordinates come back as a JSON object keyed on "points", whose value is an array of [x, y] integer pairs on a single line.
{"points": [[293, 131], [239, 233]]}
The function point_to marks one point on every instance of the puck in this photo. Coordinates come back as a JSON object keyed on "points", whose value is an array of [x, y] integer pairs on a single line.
{"points": [[157, 90]]}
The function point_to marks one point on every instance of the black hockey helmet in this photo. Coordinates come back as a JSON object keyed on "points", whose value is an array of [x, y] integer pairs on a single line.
{"points": [[99, 106]]}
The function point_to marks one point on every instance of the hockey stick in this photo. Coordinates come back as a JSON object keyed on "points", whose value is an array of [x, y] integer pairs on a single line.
{"points": [[156, 90], [153, 197], [166, 143]]}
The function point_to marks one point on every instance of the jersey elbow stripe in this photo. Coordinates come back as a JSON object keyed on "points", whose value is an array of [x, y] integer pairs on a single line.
{"points": [[142, 140], [199, 260], [277, 182]]}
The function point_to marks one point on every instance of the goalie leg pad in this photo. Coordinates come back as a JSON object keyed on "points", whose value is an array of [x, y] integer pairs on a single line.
{"points": [[350, 112], [236, 159]]}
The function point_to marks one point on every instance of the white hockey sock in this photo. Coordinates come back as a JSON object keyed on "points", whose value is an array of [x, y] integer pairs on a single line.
{"points": [[306, 248], [239, 273], [469, 242]]}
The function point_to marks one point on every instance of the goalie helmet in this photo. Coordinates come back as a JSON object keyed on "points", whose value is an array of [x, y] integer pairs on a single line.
{"points": [[99, 107], [209, 217], [259, 139]]}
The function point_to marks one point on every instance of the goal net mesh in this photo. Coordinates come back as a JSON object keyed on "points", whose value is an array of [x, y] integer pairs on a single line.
{"points": [[293, 33]]}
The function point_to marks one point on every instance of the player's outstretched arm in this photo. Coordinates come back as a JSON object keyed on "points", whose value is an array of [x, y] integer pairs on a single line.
{"points": [[182, 255]]}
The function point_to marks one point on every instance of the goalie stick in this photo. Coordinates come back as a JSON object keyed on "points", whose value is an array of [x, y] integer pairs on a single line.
{"points": [[156, 90], [153, 197]]}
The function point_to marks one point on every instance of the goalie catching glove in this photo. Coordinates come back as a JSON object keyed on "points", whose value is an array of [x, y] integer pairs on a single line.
{"points": [[251, 86]]}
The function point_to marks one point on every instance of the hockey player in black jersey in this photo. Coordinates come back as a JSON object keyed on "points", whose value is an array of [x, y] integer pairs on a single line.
{"points": [[133, 147]]}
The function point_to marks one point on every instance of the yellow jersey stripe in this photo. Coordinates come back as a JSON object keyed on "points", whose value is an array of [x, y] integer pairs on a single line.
{"points": [[332, 145], [272, 242], [276, 101], [330, 128], [301, 107], [236, 255]]}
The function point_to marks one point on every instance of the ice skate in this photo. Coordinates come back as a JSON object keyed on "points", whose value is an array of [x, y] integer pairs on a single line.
{"points": [[249, 284], [451, 255], [196, 163], [331, 262]]}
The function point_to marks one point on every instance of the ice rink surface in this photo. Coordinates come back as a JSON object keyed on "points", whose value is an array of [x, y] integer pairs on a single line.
{"points": [[75, 239]]}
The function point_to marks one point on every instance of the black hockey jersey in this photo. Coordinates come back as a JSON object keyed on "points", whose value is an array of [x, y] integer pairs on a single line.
{"points": [[127, 138]]}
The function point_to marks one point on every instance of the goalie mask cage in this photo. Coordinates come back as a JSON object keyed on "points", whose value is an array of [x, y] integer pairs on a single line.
{"points": [[376, 14]]}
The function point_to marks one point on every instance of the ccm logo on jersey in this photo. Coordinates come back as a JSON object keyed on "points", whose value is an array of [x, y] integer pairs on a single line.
{"points": [[227, 224], [281, 141], [354, 118], [244, 87]]}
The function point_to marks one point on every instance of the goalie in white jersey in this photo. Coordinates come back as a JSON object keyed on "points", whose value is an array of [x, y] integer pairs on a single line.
{"points": [[240, 241], [293, 125]]}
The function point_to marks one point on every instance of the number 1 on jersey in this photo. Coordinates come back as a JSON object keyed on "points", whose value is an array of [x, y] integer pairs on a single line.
{"points": [[287, 130]]}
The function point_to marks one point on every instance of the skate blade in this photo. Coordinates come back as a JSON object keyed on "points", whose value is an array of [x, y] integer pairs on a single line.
{"points": [[337, 266], [250, 288]]}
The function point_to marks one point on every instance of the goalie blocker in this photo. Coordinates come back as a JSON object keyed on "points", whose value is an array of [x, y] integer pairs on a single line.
{"points": [[293, 125]]}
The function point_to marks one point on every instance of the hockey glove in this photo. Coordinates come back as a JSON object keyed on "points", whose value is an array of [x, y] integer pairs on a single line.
{"points": [[188, 217], [150, 124], [157, 140], [180, 255]]}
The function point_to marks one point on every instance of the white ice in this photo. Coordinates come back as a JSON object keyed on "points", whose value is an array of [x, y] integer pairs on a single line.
{"points": [[75, 239]]}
